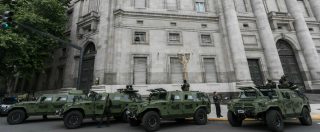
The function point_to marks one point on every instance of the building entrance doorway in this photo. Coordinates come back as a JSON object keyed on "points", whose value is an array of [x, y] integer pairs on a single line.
{"points": [[87, 68]]}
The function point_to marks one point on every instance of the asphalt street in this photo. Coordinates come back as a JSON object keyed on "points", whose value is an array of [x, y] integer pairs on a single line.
{"points": [[36, 124]]}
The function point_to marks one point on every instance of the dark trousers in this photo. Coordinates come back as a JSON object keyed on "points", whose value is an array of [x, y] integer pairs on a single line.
{"points": [[218, 109]]}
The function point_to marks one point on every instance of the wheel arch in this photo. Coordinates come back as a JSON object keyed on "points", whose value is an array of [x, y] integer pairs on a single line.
{"points": [[203, 107], [75, 109], [150, 109], [274, 108], [17, 108]]}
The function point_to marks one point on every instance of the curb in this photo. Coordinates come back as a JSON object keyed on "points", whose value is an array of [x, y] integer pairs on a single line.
{"points": [[314, 117]]}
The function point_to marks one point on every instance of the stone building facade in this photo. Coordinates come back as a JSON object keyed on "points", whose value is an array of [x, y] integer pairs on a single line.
{"points": [[232, 43]]}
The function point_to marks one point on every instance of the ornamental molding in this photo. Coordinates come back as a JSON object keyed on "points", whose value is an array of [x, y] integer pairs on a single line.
{"points": [[201, 17]]}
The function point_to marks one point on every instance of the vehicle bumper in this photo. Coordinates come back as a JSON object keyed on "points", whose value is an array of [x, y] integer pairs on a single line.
{"points": [[132, 114], [3, 112], [245, 112]]}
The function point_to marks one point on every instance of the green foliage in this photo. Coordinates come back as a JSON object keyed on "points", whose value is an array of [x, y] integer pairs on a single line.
{"points": [[25, 52]]}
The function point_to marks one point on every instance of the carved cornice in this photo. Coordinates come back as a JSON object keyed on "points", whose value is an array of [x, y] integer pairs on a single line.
{"points": [[88, 24], [276, 18], [92, 16], [202, 17]]}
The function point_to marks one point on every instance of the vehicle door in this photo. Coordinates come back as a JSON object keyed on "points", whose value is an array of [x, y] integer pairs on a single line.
{"points": [[58, 102], [44, 104], [287, 103], [189, 103], [175, 105], [297, 102], [99, 104], [116, 103]]}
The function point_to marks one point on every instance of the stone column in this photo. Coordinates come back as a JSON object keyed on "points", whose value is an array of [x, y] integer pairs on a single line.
{"points": [[267, 40], [315, 5], [71, 69], [239, 58], [305, 40]]}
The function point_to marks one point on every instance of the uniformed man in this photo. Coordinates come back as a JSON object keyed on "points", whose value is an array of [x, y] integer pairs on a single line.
{"points": [[217, 100], [185, 86], [106, 112], [271, 84], [284, 82]]}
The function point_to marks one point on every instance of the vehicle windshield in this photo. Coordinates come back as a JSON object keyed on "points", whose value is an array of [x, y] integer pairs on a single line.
{"points": [[268, 92], [158, 96], [9, 101], [245, 94], [77, 98], [135, 97]]}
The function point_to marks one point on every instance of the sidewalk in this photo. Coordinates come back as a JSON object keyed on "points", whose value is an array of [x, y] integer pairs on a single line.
{"points": [[315, 112]]}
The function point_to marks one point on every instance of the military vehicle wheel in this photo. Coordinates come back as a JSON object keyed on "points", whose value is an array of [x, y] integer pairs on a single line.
{"points": [[151, 121], [16, 117], [134, 122], [274, 121], [305, 118], [200, 117], [234, 121], [73, 119]]}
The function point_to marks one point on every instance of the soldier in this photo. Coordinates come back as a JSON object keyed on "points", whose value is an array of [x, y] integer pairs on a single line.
{"points": [[185, 86], [106, 112], [130, 87], [284, 82], [271, 84], [217, 100]]}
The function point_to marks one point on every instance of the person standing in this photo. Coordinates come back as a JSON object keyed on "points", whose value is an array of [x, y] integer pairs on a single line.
{"points": [[106, 113], [185, 86], [217, 100]]}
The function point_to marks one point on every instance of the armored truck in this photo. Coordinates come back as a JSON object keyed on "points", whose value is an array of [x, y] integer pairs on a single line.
{"points": [[271, 105], [163, 104], [95, 106], [46, 104]]}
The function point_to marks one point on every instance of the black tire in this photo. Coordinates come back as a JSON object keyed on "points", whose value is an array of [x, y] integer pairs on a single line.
{"points": [[134, 122], [73, 119], [16, 117], [274, 121], [151, 121], [305, 118], [200, 117], [234, 121]]}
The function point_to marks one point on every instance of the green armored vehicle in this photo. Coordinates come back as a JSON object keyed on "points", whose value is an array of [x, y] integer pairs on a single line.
{"points": [[95, 106], [271, 105], [46, 104], [163, 104]]}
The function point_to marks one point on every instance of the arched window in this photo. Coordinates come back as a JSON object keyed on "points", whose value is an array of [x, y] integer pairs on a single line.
{"points": [[90, 49]]}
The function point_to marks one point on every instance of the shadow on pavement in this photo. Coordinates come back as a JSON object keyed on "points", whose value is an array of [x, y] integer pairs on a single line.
{"points": [[260, 126], [41, 120]]}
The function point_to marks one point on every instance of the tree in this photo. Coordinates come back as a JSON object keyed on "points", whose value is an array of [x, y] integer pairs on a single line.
{"points": [[23, 52]]}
